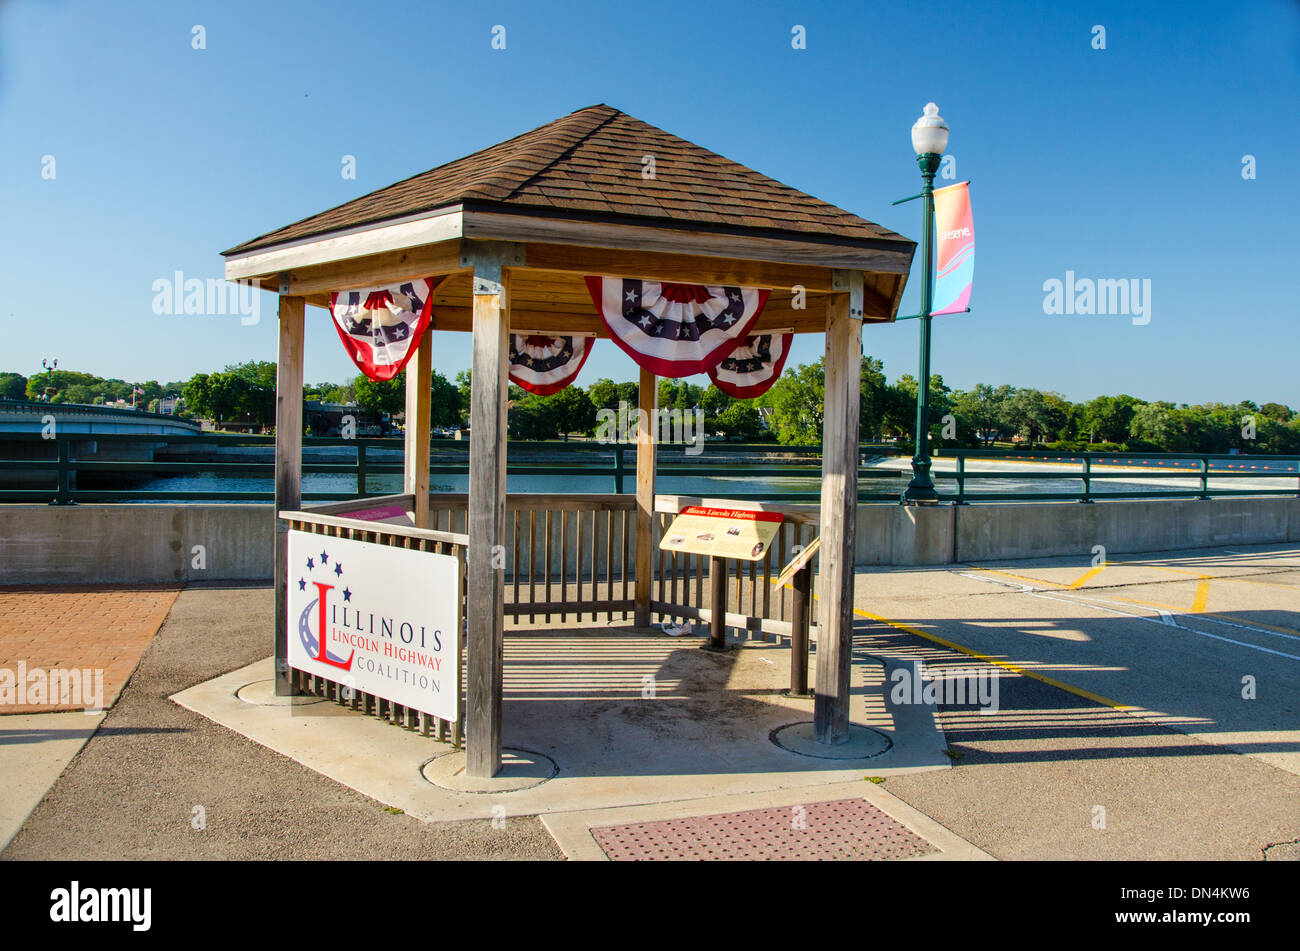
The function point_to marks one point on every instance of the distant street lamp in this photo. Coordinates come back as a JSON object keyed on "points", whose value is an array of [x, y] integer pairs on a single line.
{"points": [[929, 139], [49, 366]]}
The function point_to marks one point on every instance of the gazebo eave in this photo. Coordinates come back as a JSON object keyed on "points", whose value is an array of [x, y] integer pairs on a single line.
{"points": [[436, 243]]}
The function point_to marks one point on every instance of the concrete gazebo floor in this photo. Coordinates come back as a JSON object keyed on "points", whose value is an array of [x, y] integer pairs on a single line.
{"points": [[614, 718]]}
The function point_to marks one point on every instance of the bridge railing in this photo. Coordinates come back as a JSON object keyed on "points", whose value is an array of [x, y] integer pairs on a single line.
{"points": [[78, 467], [583, 461], [37, 410], [1095, 469]]}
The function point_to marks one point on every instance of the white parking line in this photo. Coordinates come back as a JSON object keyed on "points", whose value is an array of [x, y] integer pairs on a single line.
{"points": [[1167, 618]]}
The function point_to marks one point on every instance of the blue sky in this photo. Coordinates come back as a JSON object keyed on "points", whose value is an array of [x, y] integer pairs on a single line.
{"points": [[1117, 163]]}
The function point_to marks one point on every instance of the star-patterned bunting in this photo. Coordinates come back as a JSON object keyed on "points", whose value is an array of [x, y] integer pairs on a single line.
{"points": [[752, 368], [543, 364], [675, 330], [381, 327]]}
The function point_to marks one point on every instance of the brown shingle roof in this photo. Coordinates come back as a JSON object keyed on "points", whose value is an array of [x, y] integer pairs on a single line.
{"points": [[590, 162]]}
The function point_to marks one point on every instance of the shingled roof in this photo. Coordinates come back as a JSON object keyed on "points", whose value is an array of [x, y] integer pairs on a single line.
{"points": [[589, 164]]}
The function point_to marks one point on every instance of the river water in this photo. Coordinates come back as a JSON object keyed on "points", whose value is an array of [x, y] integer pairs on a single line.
{"points": [[890, 477]]}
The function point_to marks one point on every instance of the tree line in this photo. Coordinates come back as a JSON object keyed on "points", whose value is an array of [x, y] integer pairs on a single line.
{"points": [[790, 413]]}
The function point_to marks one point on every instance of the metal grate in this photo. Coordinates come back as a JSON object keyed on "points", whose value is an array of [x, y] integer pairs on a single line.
{"points": [[843, 829]]}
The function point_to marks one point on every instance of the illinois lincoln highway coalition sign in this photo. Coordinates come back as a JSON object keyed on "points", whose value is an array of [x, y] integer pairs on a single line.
{"points": [[377, 619]]}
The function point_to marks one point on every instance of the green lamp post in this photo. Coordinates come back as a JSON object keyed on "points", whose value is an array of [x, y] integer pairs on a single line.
{"points": [[929, 139]]}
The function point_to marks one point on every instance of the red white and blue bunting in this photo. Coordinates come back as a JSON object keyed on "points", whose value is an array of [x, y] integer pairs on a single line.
{"points": [[543, 364], [752, 368], [381, 327], [676, 330]]}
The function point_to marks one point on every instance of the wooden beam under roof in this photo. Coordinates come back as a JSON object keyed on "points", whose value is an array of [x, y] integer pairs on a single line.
{"points": [[683, 268]]}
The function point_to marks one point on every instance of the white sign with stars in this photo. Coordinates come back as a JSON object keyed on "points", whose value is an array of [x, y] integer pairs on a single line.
{"points": [[377, 619]]}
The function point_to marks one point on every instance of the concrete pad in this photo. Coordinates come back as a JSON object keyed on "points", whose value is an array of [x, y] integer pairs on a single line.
{"points": [[572, 830], [627, 719], [35, 749], [520, 769]]}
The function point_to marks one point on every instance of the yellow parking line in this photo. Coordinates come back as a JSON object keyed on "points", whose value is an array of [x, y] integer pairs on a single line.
{"points": [[1014, 668], [1088, 576], [1008, 574], [1202, 595]]}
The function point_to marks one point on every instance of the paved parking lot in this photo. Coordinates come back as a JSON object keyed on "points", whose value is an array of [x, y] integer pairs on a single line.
{"points": [[1148, 703]]}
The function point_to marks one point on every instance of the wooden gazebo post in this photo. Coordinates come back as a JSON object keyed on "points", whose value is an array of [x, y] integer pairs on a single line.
{"points": [[415, 459], [485, 635], [839, 507], [288, 466], [647, 402]]}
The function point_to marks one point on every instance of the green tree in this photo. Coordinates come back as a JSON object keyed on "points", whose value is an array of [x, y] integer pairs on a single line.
{"points": [[678, 394], [79, 393], [714, 402], [13, 386], [259, 373], [1038, 416], [1160, 427], [1107, 418], [532, 417], [444, 402], [197, 394], [573, 409], [464, 386], [604, 394], [871, 406], [381, 396], [1276, 411], [899, 414], [628, 393], [983, 409], [795, 404], [740, 421]]}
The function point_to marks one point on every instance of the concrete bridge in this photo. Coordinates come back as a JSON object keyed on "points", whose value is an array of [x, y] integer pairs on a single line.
{"points": [[24, 416], [21, 420]]}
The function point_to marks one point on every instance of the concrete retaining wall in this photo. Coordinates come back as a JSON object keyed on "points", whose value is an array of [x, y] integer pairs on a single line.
{"points": [[43, 544], [57, 544]]}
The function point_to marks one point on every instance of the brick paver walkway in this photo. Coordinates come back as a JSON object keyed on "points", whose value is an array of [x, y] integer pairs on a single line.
{"points": [[81, 627], [844, 829]]}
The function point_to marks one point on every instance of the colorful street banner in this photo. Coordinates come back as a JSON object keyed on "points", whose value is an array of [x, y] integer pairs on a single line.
{"points": [[543, 364], [381, 327], [955, 249], [676, 330], [752, 368]]}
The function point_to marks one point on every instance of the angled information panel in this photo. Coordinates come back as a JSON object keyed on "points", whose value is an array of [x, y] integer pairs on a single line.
{"points": [[721, 532]]}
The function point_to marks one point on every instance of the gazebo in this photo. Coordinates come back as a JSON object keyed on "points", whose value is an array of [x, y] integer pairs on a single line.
{"points": [[512, 240]]}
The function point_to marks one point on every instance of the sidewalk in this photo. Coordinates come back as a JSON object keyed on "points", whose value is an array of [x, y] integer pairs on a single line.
{"points": [[95, 634], [81, 627]]}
